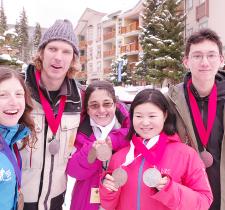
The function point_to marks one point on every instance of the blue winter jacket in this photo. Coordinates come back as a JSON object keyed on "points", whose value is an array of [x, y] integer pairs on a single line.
{"points": [[8, 182]]}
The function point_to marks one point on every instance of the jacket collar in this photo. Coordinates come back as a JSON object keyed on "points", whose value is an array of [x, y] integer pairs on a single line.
{"points": [[68, 88], [85, 126]]}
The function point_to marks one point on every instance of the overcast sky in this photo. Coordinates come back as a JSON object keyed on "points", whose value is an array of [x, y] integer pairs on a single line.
{"points": [[47, 11]]}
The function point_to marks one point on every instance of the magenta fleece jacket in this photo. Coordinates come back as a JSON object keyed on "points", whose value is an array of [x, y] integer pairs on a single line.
{"points": [[188, 188], [87, 175]]}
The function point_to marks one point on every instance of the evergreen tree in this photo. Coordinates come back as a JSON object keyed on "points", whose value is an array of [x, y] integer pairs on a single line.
{"points": [[3, 20], [37, 35], [120, 64], [162, 42], [21, 28]]}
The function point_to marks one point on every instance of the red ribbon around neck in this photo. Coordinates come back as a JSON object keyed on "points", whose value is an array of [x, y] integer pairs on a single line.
{"points": [[203, 132], [154, 154], [53, 121]]}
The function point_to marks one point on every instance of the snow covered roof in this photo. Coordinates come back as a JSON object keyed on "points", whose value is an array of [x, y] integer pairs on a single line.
{"points": [[5, 57]]}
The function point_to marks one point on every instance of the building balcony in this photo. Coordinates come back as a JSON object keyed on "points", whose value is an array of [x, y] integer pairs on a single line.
{"points": [[134, 26], [83, 59], [81, 75], [107, 70], [109, 53], [131, 66], [202, 10], [90, 42], [82, 44], [131, 47], [109, 35]]}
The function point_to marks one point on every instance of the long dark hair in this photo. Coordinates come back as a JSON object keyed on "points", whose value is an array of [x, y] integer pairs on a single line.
{"points": [[26, 119], [157, 98]]}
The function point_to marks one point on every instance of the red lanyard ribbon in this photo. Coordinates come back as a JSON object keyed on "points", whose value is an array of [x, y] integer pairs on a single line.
{"points": [[53, 121], [203, 132], [154, 154]]}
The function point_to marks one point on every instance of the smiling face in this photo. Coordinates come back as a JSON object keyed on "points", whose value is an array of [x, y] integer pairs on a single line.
{"points": [[56, 58], [101, 107], [12, 101], [148, 120], [204, 61]]}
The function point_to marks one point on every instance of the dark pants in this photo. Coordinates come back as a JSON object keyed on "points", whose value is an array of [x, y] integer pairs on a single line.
{"points": [[56, 203]]}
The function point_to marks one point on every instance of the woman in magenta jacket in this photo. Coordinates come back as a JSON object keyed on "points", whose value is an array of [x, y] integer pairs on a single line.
{"points": [[104, 118], [163, 173]]}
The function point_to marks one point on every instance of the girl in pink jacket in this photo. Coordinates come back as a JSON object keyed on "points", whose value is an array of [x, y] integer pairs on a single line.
{"points": [[156, 171], [104, 118]]}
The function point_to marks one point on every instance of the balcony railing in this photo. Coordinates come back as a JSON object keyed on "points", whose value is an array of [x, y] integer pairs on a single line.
{"points": [[202, 10], [109, 53], [129, 28], [83, 58], [131, 47], [109, 35], [82, 44], [107, 70]]}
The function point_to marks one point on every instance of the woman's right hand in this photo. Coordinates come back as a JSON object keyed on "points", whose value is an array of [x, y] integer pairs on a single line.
{"points": [[109, 183]]}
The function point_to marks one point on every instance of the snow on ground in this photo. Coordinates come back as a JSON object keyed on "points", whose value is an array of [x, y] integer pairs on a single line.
{"points": [[127, 94], [70, 184]]}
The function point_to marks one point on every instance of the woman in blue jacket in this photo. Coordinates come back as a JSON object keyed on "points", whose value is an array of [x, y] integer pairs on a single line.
{"points": [[15, 124]]}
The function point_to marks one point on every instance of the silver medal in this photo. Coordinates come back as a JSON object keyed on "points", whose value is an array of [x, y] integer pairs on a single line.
{"points": [[152, 177], [207, 158], [103, 152], [54, 147], [120, 177]]}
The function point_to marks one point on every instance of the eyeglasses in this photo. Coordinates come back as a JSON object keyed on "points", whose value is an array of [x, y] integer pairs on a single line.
{"points": [[106, 105], [211, 57]]}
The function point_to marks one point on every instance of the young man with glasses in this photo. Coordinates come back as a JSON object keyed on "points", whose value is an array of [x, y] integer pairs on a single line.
{"points": [[199, 104]]}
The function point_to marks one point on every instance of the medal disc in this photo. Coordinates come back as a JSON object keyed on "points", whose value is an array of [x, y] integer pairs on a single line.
{"points": [[120, 177], [20, 203], [92, 155], [152, 177], [103, 152], [54, 147], [207, 158]]}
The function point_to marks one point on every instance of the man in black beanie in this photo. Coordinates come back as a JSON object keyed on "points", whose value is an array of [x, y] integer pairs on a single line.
{"points": [[57, 107]]}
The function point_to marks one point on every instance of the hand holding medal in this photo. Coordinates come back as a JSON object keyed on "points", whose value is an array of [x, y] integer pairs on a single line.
{"points": [[116, 180], [102, 150], [153, 178], [120, 177]]}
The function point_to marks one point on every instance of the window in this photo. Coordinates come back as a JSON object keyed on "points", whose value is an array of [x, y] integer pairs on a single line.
{"points": [[189, 4], [99, 66], [90, 33], [99, 51], [189, 32], [99, 32]]}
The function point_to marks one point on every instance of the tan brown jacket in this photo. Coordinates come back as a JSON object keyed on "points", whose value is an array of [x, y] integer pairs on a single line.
{"points": [[177, 100]]}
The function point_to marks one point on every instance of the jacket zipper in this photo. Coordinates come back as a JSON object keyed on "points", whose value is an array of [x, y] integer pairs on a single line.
{"points": [[140, 172]]}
